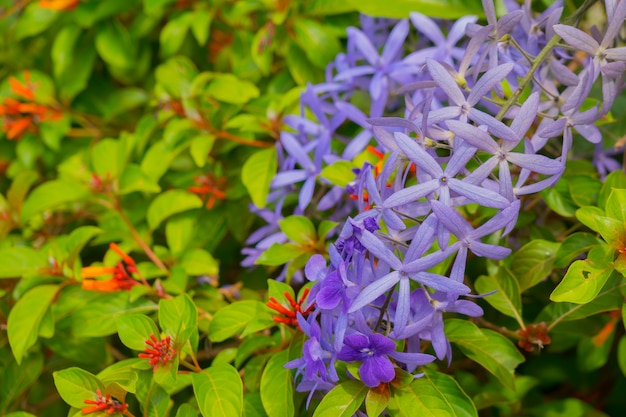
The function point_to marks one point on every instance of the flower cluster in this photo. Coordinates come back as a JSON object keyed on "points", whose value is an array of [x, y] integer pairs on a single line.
{"points": [[122, 274], [22, 114], [479, 112], [105, 404], [159, 352]]}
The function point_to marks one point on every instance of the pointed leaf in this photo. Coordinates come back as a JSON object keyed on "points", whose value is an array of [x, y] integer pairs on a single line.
{"points": [[257, 174], [219, 391], [343, 400], [277, 389]]}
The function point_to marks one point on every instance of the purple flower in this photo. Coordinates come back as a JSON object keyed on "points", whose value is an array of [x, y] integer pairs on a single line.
{"points": [[371, 351]]}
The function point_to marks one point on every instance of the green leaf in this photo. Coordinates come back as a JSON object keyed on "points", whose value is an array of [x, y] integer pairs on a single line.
{"points": [[97, 318], [584, 279], [25, 318], [252, 405], [76, 385], [587, 216], [105, 158], [377, 400], [178, 317], [339, 173], [277, 387], [18, 261], [122, 373], [34, 20], [300, 68], [592, 353], [616, 205], [507, 299], [574, 245], [168, 203], [16, 379], [533, 262], [185, 410], [298, 229], [77, 240], [133, 179], [610, 298], [19, 188], [62, 51], [257, 174], [261, 49], [233, 318], [199, 262], [175, 75], [495, 353], [115, 45], [179, 230], [219, 391], [51, 195], [200, 147], [584, 189], [318, 43], [343, 400], [558, 198], [400, 9], [616, 179], [134, 329], [435, 394], [201, 25], [280, 254], [173, 33], [230, 89]]}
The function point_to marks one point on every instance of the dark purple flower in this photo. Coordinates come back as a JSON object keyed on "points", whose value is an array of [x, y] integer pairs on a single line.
{"points": [[371, 351]]}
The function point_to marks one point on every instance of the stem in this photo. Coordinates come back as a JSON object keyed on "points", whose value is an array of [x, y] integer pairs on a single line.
{"points": [[143, 245], [384, 307]]}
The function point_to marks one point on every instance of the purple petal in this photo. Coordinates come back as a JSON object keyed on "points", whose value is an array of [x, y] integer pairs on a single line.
{"points": [[375, 290], [395, 41], [316, 269], [526, 115], [478, 194], [411, 194], [451, 219], [537, 163], [378, 249], [418, 155], [376, 369], [445, 81], [487, 81], [440, 283], [364, 45], [474, 136]]}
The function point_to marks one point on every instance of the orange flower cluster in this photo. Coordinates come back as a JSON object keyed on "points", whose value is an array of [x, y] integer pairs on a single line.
{"points": [[21, 116], [534, 336], [209, 189], [290, 315], [106, 404], [159, 351], [122, 274], [59, 5]]}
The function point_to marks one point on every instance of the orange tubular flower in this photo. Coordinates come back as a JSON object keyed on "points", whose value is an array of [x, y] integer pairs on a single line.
{"points": [[209, 189], [106, 404], [159, 351], [19, 117], [122, 274], [59, 5], [290, 315]]}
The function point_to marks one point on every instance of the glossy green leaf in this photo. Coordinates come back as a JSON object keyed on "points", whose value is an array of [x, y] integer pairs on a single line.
{"points": [[616, 205], [495, 353], [507, 298], [134, 329], [377, 400], [300, 68], [51, 195], [257, 174], [179, 230], [584, 189], [199, 262], [279, 254], [230, 89], [574, 245], [173, 33], [339, 173], [115, 45], [122, 373], [533, 262], [219, 391], [277, 387], [400, 9], [133, 179], [435, 394], [230, 320], [97, 318], [318, 43], [20, 260], [298, 229], [169, 203], [584, 279], [186, 410], [593, 352], [25, 318], [200, 147], [559, 199], [621, 354], [201, 25], [615, 180], [19, 188], [76, 385], [34, 20], [178, 317]]}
